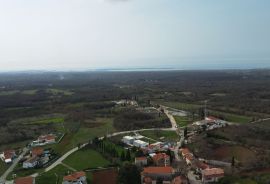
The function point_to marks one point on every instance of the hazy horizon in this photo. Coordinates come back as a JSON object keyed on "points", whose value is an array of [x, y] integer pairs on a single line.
{"points": [[107, 34]]}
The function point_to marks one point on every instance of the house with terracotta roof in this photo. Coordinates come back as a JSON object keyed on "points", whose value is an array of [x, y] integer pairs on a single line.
{"points": [[180, 180], [184, 151], [37, 151], [8, 155], [75, 178], [44, 139], [161, 159], [212, 175], [25, 180], [154, 173], [141, 161], [200, 166]]}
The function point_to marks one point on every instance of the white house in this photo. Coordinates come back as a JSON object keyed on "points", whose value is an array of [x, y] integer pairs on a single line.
{"points": [[75, 178], [128, 140], [212, 175], [140, 144], [7, 156], [30, 163], [140, 161]]}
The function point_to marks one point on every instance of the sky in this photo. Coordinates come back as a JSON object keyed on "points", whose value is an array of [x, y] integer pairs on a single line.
{"points": [[89, 34]]}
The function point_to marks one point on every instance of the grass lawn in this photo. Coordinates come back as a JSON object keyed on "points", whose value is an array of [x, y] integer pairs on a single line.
{"points": [[182, 121], [157, 134], [234, 118], [55, 91], [53, 176], [189, 107], [179, 105], [3, 167], [42, 119], [86, 158], [83, 135]]}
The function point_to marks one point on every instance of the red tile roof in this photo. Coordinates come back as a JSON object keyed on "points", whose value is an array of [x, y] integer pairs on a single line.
{"points": [[24, 180], [141, 158], [202, 165], [147, 180], [46, 137], [153, 170], [213, 172], [185, 151], [159, 156], [8, 154], [74, 176], [37, 151]]}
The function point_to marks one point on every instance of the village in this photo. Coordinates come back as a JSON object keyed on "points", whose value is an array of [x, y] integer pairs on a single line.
{"points": [[166, 162]]}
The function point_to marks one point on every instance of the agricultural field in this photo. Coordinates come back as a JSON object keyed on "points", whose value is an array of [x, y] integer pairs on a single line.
{"points": [[182, 121], [158, 134], [85, 159]]}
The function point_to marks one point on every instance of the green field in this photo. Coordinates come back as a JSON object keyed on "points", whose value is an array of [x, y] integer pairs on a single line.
{"points": [[234, 118], [86, 158], [42, 119], [194, 107], [157, 134], [83, 135], [182, 121], [55, 91], [54, 176]]}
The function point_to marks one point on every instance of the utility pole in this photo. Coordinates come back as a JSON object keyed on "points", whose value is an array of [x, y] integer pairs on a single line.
{"points": [[205, 111]]}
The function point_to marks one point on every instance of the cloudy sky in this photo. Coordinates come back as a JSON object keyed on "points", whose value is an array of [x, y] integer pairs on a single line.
{"points": [[85, 34]]}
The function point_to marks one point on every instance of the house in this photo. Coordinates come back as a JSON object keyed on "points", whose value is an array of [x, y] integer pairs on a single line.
{"points": [[152, 174], [180, 180], [161, 159], [212, 175], [189, 158], [200, 166], [37, 151], [25, 180], [48, 139], [128, 140], [44, 139], [141, 161], [31, 162], [7, 156], [187, 155], [184, 151], [140, 144], [75, 178]]}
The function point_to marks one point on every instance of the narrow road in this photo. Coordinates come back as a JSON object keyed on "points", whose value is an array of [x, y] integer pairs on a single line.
{"points": [[13, 165], [62, 158]]}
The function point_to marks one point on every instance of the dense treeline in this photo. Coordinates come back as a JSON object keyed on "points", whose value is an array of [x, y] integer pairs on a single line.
{"points": [[133, 120]]}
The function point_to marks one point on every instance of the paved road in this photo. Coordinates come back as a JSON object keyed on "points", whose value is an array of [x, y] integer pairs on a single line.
{"points": [[59, 161], [13, 165], [172, 120]]}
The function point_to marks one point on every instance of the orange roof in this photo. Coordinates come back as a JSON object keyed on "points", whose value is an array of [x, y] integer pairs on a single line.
{"points": [[202, 165], [46, 137], [185, 151], [74, 176], [179, 180], [152, 170], [189, 157], [37, 151], [8, 154], [212, 118], [147, 180], [24, 180], [160, 156], [141, 158], [213, 172]]}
